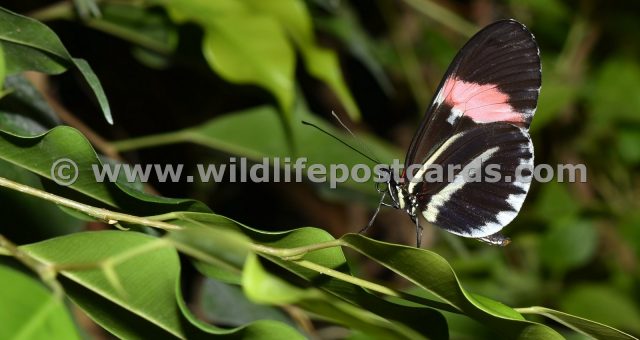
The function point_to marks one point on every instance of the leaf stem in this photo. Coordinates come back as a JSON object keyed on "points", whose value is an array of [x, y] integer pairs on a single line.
{"points": [[150, 141], [347, 278], [294, 253], [528, 310], [129, 35], [59, 10], [443, 16], [108, 216]]}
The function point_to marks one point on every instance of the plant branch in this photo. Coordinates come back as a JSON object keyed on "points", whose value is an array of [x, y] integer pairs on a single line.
{"points": [[443, 16], [129, 35], [108, 216], [41, 82], [150, 141], [293, 254], [348, 278], [59, 10], [46, 272]]}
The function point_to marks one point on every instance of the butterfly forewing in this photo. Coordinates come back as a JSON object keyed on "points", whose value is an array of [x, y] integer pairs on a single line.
{"points": [[480, 116], [495, 77]]}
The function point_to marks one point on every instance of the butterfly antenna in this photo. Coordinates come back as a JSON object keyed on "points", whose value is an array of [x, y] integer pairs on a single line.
{"points": [[363, 145], [341, 141]]}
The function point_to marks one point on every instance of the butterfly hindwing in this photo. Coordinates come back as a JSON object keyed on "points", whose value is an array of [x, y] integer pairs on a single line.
{"points": [[495, 77], [476, 206]]}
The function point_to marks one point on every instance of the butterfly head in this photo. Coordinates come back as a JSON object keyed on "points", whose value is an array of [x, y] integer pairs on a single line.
{"points": [[388, 185]]}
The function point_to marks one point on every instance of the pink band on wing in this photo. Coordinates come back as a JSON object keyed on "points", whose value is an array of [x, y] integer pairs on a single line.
{"points": [[482, 103]]}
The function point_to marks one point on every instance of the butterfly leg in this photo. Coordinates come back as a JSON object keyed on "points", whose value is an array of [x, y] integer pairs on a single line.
{"points": [[373, 218], [419, 229]]}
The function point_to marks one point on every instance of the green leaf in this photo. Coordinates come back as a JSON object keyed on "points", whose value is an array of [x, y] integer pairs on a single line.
{"points": [[153, 34], [249, 42], [30, 45], [245, 49], [325, 65], [346, 27], [87, 8], [147, 269], [556, 202], [29, 219], [95, 85], [628, 141], [602, 304], [224, 244], [578, 324], [322, 63], [430, 271], [555, 95], [227, 305], [261, 287], [423, 320], [569, 244], [612, 85], [138, 299], [630, 232], [241, 46], [20, 125], [260, 329], [24, 98], [371, 314], [238, 133], [553, 9], [38, 154], [3, 71], [30, 311], [243, 133]]}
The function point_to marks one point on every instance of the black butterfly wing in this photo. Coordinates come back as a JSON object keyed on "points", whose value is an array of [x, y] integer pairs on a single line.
{"points": [[495, 77], [480, 206]]}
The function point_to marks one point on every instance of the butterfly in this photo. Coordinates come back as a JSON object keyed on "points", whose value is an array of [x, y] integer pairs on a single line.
{"points": [[480, 115]]}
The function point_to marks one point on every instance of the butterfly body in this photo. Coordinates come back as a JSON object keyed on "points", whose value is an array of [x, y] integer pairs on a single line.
{"points": [[480, 115]]}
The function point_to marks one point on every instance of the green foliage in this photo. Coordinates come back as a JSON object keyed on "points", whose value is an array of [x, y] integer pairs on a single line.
{"points": [[254, 42], [175, 269], [29, 45], [593, 301], [34, 312]]}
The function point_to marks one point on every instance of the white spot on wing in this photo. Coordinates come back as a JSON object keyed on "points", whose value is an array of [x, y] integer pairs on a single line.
{"points": [[454, 115], [504, 217], [515, 201], [523, 182]]}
